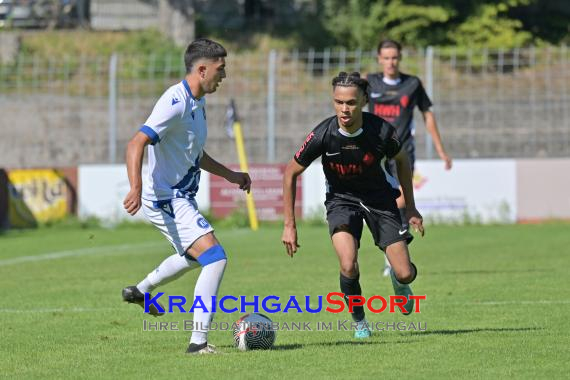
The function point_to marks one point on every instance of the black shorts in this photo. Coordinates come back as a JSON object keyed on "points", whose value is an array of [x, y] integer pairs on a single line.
{"points": [[410, 148], [383, 220]]}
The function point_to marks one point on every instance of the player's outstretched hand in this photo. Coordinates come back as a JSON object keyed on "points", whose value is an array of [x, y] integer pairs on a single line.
{"points": [[289, 239], [132, 202], [448, 161], [415, 220], [241, 179]]}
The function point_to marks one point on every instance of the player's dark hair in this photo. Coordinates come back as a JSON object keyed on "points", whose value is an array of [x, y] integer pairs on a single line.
{"points": [[202, 48], [389, 44], [351, 80]]}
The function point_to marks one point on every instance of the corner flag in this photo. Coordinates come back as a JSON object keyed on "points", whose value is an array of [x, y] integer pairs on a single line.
{"points": [[233, 128]]}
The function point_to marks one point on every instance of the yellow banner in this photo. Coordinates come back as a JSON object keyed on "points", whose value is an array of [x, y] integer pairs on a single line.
{"points": [[36, 195]]}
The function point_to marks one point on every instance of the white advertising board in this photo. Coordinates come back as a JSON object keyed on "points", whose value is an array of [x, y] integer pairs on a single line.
{"points": [[472, 191], [102, 188]]}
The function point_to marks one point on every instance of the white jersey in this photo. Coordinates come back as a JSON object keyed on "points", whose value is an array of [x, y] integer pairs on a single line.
{"points": [[177, 128]]}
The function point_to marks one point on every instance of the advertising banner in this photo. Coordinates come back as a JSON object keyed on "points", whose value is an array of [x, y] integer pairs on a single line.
{"points": [[267, 188], [472, 191], [36, 195]]}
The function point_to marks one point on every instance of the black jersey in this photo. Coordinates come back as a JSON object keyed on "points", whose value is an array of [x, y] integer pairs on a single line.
{"points": [[352, 164], [395, 103]]}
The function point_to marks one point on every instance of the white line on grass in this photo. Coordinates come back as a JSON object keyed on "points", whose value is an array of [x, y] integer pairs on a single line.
{"points": [[538, 302], [109, 249], [59, 310]]}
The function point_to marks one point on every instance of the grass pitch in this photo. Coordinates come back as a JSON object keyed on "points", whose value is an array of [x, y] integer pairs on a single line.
{"points": [[497, 306]]}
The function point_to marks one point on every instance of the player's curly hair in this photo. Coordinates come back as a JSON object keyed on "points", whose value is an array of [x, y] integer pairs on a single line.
{"points": [[353, 79]]}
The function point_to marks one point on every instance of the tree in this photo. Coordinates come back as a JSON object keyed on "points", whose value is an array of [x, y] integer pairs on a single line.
{"points": [[360, 23], [488, 25], [467, 23]]}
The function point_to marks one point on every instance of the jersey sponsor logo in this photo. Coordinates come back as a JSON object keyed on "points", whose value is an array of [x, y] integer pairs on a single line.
{"points": [[387, 111], [332, 154], [346, 170], [349, 170], [375, 94], [309, 137], [202, 223], [175, 100]]}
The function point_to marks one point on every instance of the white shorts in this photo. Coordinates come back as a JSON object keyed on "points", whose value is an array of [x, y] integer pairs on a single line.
{"points": [[179, 221]]}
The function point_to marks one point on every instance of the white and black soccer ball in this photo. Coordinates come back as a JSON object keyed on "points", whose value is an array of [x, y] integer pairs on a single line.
{"points": [[254, 332]]}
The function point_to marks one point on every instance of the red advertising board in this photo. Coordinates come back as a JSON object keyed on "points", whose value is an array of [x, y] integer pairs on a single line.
{"points": [[267, 190]]}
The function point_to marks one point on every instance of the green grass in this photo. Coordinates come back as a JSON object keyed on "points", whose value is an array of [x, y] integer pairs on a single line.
{"points": [[497, 306]]}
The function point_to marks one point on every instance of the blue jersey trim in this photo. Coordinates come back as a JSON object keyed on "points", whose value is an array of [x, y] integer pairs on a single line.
{"points": [[152, 135], [187, 87], [211, 255]]}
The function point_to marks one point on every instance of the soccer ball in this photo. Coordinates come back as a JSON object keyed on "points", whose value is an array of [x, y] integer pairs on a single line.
{"points": [[254, 332]]}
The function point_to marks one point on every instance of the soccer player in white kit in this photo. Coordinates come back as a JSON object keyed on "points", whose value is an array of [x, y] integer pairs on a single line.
{"points": [[175, 133]]}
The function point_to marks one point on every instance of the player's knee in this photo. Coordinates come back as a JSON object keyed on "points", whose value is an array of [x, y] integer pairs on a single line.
{"points": [[407, 274], [349, 269], [214, 254]]}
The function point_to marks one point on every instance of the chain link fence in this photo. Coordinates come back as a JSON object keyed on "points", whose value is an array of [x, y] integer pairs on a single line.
{"points": [[488, 103]]}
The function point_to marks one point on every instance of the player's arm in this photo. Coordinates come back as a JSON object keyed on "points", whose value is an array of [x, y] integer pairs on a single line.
{"points": [[134, 158], [431, 126], [153, 130], [289, 237], [309, 151], [210, 165], [405, 178], [424, 104]]}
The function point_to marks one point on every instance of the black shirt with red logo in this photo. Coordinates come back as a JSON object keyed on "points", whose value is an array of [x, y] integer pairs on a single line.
{"points": [[395, 103], [352, 163]]}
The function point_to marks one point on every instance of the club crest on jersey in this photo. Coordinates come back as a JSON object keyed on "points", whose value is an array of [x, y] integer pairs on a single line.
{"points": [[202, 223]]}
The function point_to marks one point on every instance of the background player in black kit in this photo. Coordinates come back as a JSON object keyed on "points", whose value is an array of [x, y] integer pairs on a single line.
{"points": [[352, 146], [393, 95]]}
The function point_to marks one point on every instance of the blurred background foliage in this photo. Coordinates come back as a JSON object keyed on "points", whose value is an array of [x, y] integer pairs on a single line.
{"points": [[360, 24]]}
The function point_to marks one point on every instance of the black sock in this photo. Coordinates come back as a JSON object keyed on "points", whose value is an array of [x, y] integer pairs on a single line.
{"points": [[351, 287], [405, 223]]}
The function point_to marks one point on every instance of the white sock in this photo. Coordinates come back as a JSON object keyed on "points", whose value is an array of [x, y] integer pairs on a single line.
{"points": [[169, 270], [206, 286]]}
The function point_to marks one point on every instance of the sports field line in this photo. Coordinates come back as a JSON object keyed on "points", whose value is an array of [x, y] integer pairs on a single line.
{"points": [[538, 302], [107, 249], [60, 310]]}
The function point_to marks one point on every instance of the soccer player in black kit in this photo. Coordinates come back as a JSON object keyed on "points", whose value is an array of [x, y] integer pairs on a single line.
{"points": [[393, 95], [352, 146]]}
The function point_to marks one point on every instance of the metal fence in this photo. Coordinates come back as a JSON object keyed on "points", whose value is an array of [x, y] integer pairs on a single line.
{"points": [[488, 103]]}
